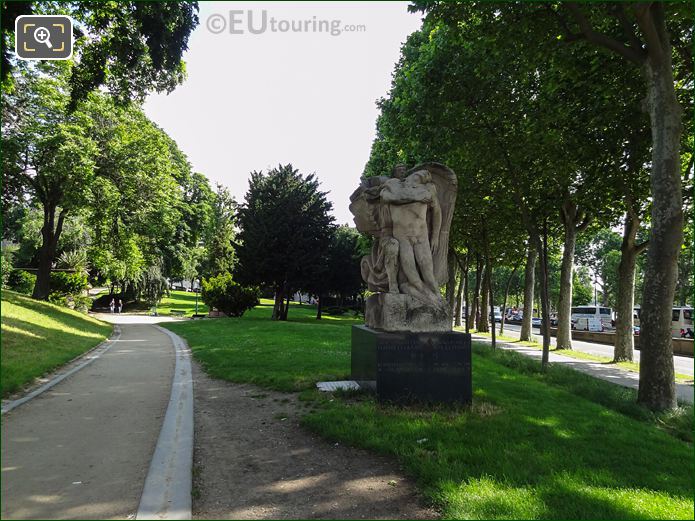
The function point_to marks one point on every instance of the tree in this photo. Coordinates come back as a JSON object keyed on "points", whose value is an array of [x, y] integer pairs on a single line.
{"points": [[103, 167], [151, 286], [285, 227], [220, 236], [135, 206], [52, 160], [615, 27], [343, 273], [582, 289], [225, 295], [129, 47], [652, 52]]}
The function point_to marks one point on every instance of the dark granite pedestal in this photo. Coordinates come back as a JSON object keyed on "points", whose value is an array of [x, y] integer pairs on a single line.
{"points": [[428, 367]]}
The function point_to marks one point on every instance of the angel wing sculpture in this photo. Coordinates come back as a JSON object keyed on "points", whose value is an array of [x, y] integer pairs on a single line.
{"points": [[409, 215]]}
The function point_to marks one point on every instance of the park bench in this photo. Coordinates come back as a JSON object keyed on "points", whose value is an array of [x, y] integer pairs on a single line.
{"points": [[177, 313]]}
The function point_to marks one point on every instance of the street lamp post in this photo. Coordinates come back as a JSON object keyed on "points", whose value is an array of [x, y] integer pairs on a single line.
{"points": [[196, 301]]}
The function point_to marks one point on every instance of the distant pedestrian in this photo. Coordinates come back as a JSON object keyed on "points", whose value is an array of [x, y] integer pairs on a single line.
{"points": [[120, 305], [112, 305]]}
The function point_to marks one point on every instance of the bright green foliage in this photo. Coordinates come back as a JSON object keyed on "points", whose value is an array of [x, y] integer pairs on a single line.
{"points": [[151, 286], [21, 281], [68, 283], [582, 288], [75, 260], [134, 208], [225, 295], [131, 48], [37, 337], [220, 235]]}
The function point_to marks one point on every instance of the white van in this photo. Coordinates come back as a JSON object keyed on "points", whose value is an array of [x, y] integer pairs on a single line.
{"points": [[591, 314], [682, 323]]}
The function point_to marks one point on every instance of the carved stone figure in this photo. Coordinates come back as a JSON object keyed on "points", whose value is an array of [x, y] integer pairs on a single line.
{"points": [[409, 215]]}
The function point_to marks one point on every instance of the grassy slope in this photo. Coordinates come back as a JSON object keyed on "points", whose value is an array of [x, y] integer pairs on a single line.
{"points": [[532, 446], [37, 337], [182, 301]]}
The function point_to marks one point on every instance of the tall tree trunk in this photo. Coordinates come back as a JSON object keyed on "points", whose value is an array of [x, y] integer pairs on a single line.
{"points": [[465, 295], [492, 302], [573, 221], [506, 295], [318, 307], [287, 305], [463, 269], [624, 335], [542, 245], [50, 234], [277, 305], [564, 305], [450, 293], [529, 284], [473, 315], [483, 324], [656, 385]]}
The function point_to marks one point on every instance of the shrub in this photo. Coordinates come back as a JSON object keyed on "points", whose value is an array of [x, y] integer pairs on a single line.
{"points": [[5, 269], [222, 293], [21, 281], [68, 283]]}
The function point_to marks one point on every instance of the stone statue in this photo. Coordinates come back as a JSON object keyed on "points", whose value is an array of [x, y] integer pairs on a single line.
{"points": [[409, 215]]}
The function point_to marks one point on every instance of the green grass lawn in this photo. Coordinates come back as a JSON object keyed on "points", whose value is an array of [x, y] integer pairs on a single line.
{"points": [[183, 301], [285, 356], [557, 445], [37, 337]]}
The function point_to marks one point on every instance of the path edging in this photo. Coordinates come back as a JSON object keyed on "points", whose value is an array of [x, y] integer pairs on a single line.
{"points": [[89, 357], [167, 491]]}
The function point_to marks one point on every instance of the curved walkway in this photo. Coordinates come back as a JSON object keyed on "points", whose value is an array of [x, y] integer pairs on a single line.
{"points": [[82, 449]]}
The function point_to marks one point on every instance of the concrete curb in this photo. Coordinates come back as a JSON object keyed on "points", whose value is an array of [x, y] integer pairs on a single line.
{"points": [[167, 491], [88, 357]]}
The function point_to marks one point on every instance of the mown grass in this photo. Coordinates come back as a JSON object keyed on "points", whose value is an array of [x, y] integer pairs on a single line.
{"points": [[181, 301], [38, 337], [285, 356], [533, 446]]}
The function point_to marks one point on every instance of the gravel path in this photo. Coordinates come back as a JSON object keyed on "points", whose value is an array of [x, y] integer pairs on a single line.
{"points": [[252, 460]]}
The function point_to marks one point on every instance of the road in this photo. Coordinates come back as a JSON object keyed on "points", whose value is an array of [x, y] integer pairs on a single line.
{"points": [[682, 364]]}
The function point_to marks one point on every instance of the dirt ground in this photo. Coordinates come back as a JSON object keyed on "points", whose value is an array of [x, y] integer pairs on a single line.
{"points": [[252, 460]]}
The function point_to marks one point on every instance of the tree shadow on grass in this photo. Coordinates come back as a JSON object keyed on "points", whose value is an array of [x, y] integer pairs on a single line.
{"points": [[544, 453]]}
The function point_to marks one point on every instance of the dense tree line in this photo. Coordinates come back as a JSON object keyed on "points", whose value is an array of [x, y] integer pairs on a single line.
{"points": [[562, 122]]}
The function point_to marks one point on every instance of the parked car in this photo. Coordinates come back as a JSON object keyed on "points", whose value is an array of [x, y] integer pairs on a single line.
{"points": [[536, 322]]}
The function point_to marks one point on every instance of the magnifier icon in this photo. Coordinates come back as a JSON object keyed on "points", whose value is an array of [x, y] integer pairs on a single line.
{"points": [[42, 35]]}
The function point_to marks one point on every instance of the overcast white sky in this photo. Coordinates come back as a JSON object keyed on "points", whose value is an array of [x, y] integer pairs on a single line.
{"points": [[252, 101]]}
